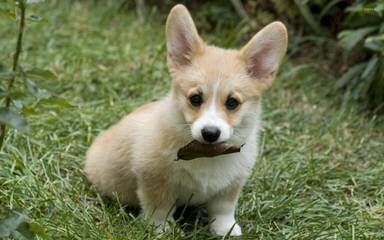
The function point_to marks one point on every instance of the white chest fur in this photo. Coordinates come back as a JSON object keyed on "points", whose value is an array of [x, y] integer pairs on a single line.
{"points": [[196, 181]]}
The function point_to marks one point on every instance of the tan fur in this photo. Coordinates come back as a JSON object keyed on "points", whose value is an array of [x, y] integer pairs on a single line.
{"points": [[135, 157], [233, 194], [204, 75]]}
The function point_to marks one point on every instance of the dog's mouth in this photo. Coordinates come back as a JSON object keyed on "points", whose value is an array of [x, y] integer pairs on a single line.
{"points": [[196, 149]]}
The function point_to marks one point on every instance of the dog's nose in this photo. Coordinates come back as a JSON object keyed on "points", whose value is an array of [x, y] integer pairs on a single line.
{"points": [[210, 134]]}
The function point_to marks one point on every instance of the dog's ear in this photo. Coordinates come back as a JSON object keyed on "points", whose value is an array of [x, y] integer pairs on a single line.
{"points": [[264, 52], [183, 41]]}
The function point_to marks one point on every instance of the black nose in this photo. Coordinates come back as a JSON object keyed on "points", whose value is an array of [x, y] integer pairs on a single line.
{"points": [[210, 134]]}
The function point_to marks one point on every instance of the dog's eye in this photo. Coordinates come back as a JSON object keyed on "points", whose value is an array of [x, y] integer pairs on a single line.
{"points": [[196, 100], [231, 103]]}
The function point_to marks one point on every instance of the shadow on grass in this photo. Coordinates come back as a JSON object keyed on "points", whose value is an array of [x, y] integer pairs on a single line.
{"points": [[188, 218]]}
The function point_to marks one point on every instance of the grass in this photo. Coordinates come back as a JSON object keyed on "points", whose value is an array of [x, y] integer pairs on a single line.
{"points": [[320, 173]]}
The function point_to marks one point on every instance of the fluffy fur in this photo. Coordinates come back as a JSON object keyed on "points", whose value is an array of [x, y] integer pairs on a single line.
{"points": [[135, 157]]}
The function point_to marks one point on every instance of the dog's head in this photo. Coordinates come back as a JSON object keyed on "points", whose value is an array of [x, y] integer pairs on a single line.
{"points": [[218, 88]]}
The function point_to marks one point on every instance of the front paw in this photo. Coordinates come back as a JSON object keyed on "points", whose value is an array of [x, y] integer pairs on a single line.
{"points": [[160, 229], [168, 229], [223, 226]]}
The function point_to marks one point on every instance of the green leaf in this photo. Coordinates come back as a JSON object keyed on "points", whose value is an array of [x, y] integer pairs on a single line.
{"points": [[30, 110], [13, 119], [34, 1], [375, 43], [358, 7], [35, 18], [38, 230], [13, 94], [24, 232], [37, 73], [16, 225], [347, 77], [10, 224], [18, 103], [6, 75], [309, 17], [369, 74], [371, 67], [55, 102], [328, 7], [3, 93], [8, 13], [348, 39], [2, 67], [31, 87]]}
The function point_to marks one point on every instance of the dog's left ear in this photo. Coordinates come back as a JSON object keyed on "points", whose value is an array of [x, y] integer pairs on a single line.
{"points": [[183, 41], [264, 52]]}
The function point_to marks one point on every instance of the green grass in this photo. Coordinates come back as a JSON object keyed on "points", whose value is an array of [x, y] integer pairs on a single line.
{"points": [[320, 173]]}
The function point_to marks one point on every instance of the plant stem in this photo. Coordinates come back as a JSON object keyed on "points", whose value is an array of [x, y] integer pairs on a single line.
{"points": [[309, 18], [240, 9], [16, 56]]}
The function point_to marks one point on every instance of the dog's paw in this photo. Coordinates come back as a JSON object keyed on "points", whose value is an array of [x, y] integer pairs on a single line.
{"points": [[223, 228], [168, 228], [161, 229]]}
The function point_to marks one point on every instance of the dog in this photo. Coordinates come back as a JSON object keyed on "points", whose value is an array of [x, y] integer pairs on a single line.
{"points": [[215, 97]]}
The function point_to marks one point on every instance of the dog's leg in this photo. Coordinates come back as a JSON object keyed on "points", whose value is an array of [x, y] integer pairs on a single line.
{"points": [[156, 203], [221, 210]]}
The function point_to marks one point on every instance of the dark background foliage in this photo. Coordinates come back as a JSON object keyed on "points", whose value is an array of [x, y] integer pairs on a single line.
{"points": [[345, 37], [84, 64]]}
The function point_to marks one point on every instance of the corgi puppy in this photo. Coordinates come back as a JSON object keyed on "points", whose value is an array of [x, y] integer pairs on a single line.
{"points": [[215, 97]]}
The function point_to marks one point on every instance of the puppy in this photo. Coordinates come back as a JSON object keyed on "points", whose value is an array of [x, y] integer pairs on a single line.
{"points": [[215, 97]]}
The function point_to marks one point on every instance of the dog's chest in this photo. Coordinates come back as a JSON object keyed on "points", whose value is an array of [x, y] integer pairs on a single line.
{"points": [[198, 180]]}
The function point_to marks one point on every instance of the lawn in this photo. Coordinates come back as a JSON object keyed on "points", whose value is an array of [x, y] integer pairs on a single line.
{"points": [[319, 175]]}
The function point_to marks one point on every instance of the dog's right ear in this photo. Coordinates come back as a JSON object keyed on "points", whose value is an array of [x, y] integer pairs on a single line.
{"points": [[264, 52], [183, 41]]}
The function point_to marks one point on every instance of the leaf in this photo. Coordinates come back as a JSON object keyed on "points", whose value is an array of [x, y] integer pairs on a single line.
{"points": [[375, 43], [38, 230], [56, 102], [9, 14], [6, 75], [10, 224], [13, 94], [369, 74], [3, 93], [309, 17], [30, 110], [349, 75], [16, 225], [34, 18], [23, 230], [2, 67], [370, 68], [348, 39], [34, 1], [328, 7], [358, 7], [18, 103], [37, 73], [31, 87], [13, 119]]}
